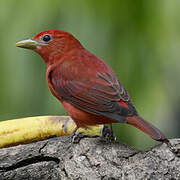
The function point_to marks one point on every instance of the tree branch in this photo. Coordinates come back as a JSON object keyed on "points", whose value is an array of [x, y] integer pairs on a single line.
{"points": [[91, 158]]}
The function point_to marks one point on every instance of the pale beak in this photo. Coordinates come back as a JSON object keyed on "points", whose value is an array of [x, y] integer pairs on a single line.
{"points": [[29, 44]]}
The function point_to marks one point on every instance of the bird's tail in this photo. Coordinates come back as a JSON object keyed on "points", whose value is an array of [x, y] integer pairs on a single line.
{"points": [[147, 128]]}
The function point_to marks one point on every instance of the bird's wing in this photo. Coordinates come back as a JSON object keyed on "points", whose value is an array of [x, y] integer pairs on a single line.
{"points": [[99, 94]]}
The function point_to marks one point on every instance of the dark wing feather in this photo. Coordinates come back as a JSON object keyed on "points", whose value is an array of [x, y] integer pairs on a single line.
{"points": [[99, 95]]}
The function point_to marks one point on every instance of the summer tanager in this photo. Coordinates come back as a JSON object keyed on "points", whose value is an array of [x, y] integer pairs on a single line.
{"points": [[86, 86]]}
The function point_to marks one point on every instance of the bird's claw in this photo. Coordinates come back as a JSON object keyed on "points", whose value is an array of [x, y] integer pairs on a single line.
{"points": [[75, 138]]}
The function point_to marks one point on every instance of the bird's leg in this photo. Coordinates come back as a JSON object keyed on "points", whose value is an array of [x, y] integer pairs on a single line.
{"points": [[107, 134], [113, 137], [76, 136], [74, 132]]}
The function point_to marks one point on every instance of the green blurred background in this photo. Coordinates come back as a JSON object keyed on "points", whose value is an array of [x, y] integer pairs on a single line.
{"points": [[139, 39]]}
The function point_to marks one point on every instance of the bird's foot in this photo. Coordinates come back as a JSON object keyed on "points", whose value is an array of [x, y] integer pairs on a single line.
{"points": [[108, 135], [76, 136]]}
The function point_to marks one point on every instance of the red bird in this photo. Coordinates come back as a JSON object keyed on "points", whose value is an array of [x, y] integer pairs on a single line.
{"points": [[86, 86]]}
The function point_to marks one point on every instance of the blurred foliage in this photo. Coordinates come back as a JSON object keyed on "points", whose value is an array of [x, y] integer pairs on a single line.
{"points": [[139, 39]]}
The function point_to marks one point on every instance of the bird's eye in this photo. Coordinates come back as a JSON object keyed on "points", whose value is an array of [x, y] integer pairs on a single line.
{"points": [[46, 38]]}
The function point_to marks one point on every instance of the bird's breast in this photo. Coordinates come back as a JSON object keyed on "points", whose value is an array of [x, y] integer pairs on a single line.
{"points": [[84, 119]]}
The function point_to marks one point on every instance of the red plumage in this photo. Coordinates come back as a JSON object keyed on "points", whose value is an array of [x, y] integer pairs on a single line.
{"points": [[86, 86]]}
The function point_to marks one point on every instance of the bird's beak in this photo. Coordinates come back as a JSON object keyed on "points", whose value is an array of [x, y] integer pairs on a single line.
{"points": [[29, 44]]}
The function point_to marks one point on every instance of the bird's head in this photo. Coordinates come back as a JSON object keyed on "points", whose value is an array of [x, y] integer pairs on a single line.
{"points": [[51, 44]]}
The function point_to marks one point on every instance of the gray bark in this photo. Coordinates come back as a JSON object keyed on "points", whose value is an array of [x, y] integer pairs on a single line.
{"points": [[91, 159]]}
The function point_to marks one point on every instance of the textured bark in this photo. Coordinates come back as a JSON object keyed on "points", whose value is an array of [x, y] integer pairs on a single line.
{"points": [[91, 158]]}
